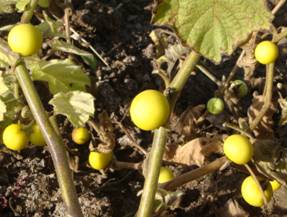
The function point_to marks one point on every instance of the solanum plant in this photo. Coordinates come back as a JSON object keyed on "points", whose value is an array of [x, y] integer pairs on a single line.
{"points": [[205, 27]]}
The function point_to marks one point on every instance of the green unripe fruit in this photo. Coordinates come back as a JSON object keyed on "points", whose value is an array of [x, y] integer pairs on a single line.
{"points": [[215, 105]]}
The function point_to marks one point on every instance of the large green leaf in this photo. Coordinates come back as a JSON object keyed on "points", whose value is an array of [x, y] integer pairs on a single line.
{"points": [[213, 27], [61, 75], [77, 106]]}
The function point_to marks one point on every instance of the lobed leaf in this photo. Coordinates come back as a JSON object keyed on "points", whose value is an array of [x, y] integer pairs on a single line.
{"points": [[61, 75], [77, 106], [214, 27]]}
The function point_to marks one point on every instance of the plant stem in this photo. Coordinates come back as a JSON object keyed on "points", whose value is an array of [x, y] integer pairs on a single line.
{"points": [[267, 94], [158, 146], [55, 143], [153, 168], [183, 74], [194, 174], [27, 15]]}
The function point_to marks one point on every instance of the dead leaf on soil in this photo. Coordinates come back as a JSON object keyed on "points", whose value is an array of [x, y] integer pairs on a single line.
{"points": [[196, 150], [283, 105], [105, 131], [248, 62], [232, 209], [186, 123], [265, 128]]}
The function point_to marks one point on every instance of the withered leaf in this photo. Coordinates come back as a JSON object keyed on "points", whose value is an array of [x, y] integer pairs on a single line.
{"points": [[265, 127], [196, 150]]}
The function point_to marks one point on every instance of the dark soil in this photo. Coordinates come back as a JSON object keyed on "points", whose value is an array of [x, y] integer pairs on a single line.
{"points": [[119, 31]]}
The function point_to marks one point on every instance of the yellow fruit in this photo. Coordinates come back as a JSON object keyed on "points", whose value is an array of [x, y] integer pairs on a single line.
{"points": [[36, 137], [251, 192], [80, 135], [266, 52], [275, 185], [25, 39], [14, 138], [149, 110], [99, 161], [238, 149], [165, 175]]}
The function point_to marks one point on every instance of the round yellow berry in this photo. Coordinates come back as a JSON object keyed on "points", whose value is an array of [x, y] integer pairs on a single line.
{"points": [[149, 110], [25, 39], [14, 137], [99, 161], [266, 52], [275, 185], [36, 137], [251, 192], [165, 175], [238, 149], [80, 135]]}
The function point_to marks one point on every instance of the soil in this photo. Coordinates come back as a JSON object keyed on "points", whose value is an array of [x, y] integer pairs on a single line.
{"points": [[119, 30]]}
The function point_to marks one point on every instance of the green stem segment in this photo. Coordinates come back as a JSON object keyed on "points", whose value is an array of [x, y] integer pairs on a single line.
{"points": [[159, 140], [153, 168], [55, 143], [28, 14]]}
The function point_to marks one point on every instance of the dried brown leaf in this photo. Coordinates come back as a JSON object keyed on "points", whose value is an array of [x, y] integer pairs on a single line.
{"points": [[232, 209], [283, 105], [265, 128], [248, 62], [105, 131], [196, 150], [186, 123]]}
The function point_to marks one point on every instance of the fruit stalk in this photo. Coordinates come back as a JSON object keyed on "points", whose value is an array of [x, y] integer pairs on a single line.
{"points": [[157, 150], [194, 174], [267, 95], [55, 143], [28, 14]]}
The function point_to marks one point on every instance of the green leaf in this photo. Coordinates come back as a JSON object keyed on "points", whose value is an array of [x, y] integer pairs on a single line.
{"points": [[214, 27], [3, 87], [61, 75], [3, 110], [6, 6], [77, 106], [5, 58], [51, 28], [11, 104], [87, 57], [21, 5]]}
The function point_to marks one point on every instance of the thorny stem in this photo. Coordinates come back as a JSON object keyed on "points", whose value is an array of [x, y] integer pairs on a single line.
{"points": [[158, 146], [267, 95], [257, 183], [194, 174]]}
